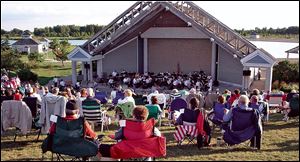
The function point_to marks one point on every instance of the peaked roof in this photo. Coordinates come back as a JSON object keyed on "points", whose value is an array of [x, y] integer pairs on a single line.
{"points": [[27, 41], [293, 50], [192, 14]]}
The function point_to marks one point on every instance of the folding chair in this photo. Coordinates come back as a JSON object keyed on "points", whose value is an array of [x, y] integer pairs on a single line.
{"points": [[124, 110], [245, 125], [275, 101], [216, 116], [16, 114], [154, 113], [101, 96], [119, 95], [140, 100], [138, 142], [176, 104], [69, 139], [93, 113], [294, 105], [187, 131]]}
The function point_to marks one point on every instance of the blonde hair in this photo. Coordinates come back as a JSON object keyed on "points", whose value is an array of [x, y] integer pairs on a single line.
{"points": [[90, 92], [128, 92]]}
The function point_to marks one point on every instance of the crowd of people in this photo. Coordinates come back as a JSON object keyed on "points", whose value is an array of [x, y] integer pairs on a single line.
{"points": [[14, 89], [198, 79]]}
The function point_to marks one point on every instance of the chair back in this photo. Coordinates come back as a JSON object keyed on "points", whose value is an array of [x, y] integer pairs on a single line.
{"points": [[190, 116], [242, 119], [210, 99], [91, 110], [153, 111], [127, 109], [32, 104], [254, 105], [119, 95], [140, 100], [101, 96], [219, 111], [294, 103], [178, 104], [69, 139], [275, 100], [135, 130], [4, 98]]}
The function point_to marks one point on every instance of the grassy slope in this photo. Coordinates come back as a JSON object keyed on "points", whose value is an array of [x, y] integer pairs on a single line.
{"points": [[280, 142], [47, 70]]}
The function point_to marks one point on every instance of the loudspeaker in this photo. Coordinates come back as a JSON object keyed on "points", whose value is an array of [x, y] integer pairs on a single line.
{"points": [[246, 72]]}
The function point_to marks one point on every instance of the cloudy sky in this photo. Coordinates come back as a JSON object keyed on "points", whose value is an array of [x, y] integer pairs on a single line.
{"points": [[237, 15]]}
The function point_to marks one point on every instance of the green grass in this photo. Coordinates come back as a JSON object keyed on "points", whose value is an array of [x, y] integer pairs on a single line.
{"points": [[47, 70], [280, 142]]}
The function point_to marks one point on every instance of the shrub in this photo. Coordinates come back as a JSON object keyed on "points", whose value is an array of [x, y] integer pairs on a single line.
{"points": [[27, 75], [286, 71]]}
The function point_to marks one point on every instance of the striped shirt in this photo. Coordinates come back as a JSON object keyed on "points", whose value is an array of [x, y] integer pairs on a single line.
{"points": [[91, 108]]}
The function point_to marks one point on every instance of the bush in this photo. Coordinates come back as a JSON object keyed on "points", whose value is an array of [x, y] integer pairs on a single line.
{"points": [[286, 71], [27, 75]]}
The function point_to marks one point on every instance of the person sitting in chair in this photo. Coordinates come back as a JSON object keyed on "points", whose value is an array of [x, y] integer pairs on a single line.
{"points": [[72, 113], [243, 103], [128, 97], [190, 114], [140, 114]]}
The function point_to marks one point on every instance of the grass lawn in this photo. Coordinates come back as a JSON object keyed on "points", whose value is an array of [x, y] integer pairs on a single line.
{"points": [[47, 70], [280, 142]]}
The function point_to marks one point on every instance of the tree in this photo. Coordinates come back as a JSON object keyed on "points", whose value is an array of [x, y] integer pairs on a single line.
{"points": [[10, 59], [35, 57], [60, 49], [286, 71]]}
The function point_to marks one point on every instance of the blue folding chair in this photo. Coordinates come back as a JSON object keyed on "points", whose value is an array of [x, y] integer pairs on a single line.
{"points": [[101, 96], [245, 125]]}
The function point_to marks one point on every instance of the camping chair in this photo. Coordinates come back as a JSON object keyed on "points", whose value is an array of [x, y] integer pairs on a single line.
{"points": [[245, 125], [294, 105], [275, 101], [16, 114], [187, 131], [92, 113], [138, 142], [119, 95], [32, 104], [140, 100], [216, 116], [176, 105], [154, 113], [69, 139], [124, 110], [263, 109], [101, 96]]}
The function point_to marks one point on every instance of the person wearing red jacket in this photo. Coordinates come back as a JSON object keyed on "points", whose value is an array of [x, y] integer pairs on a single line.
{"points": [[140, 114], [234, 96]]}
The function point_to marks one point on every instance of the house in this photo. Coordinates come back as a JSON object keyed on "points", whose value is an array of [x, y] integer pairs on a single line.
{"points": [[254, 35], [46, 44], [160, 36], [27, 44]]}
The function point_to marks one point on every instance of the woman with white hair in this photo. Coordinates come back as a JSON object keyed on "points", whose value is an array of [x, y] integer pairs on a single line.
{"points": [[243, 103], [128, 97]]}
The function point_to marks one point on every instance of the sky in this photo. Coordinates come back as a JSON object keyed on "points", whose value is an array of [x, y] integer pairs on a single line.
{"points": [[235, 14]]}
